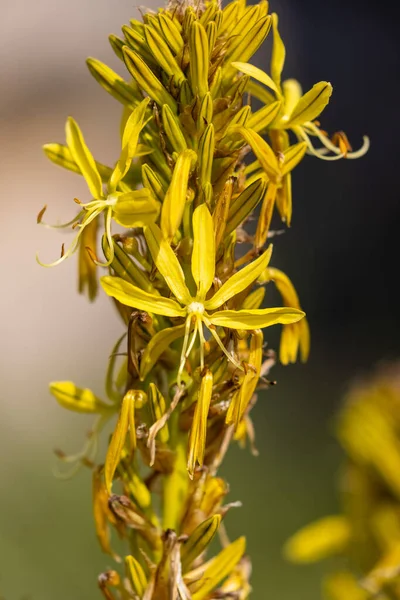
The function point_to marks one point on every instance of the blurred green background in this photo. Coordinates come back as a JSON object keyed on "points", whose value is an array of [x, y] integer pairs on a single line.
{"points": [[341, 254]]}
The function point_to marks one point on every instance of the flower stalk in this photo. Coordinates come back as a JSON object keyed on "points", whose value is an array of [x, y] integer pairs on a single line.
{"points": [[182, 380]]}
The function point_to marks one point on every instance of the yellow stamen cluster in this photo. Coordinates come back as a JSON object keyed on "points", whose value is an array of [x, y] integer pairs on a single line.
{"points": [[183, 379]]}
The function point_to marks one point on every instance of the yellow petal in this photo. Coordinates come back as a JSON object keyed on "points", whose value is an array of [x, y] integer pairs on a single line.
{"points": [[125, 268], [111, 82], [167, 263], [146, 79], [175, 199], [239, 281], [136, 209], [171, 33], [255, 319], [158, 408], [86, 267], [117, 442], [173, 130], [198, 541], [157, 345], [292, 156], [243, 396], [257, 74], [318, 540], [248, 43], [199, 59], [130, 295], [292, 93], [130, 140], [255, 299], [198, 431], [220, 567], [152, 182], [77, 399], [244, 204], [206, 154], [261, 119], [136, 575], [264, 153], [221, 212], [203, 255], [83, 158], [163, 55], [278, 53], [311, 104], [289, 343], [61, 156]]}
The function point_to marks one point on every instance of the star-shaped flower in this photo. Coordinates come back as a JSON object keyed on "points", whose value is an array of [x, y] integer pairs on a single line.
{"points": [[297, 112], [201, 309], [129, 208]]}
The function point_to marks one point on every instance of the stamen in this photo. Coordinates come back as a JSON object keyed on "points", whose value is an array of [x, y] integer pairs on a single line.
{"points": [[328, 144], [202, 342], [88, 453], [108, 219], [184, 348], [221, 345], [75, 242]]}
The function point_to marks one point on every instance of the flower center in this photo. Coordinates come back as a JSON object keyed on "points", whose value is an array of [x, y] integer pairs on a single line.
{"points": [[195, 308]]}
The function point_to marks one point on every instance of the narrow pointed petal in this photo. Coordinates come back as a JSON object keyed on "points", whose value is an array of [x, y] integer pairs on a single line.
{"points": [[220, 567], [199, 59], [243, 396], [130, 140], [83, 158], [203, 256], [61, 155], [292, 156], [255, 319], [292, 93], [245, 203], [261, 119], [255, 299], [136, 209], [239, 281], [311, 104], [175, 199], [263, 152], [198, 541], [130, 295], [162, 54], [257, 74], [198, 431], [77, 399], [146, 79], [118, 441], [157, 345], [158, 409], [173, 130], [136, 575], [111, 81], [167, 263], [248, 43], [278, 53]]}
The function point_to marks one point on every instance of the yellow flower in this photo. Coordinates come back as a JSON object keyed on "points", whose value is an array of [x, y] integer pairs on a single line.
{"points": [[129, 208], [297, 112], [199, 310]]}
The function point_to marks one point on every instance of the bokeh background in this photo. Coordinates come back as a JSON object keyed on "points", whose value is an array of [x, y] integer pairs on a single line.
{"points": [[341, 253]]}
